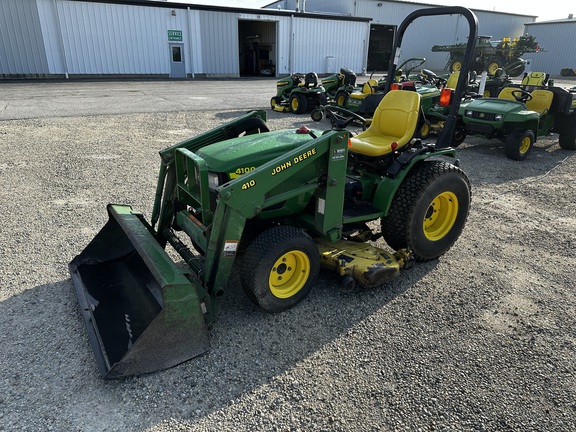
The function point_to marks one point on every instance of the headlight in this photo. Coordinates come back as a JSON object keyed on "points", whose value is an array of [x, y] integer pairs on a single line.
{"points": [[468, 113], [498, 117], [213, 180]]}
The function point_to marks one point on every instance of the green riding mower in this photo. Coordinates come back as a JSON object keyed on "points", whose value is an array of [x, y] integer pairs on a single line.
{"points": [[332, 84], [298, 93], [522, 113], [276, 206]]}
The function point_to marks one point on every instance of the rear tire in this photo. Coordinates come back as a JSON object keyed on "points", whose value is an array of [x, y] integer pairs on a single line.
{"points": [[429, 210], [279, 268], [298, 103], [519, 144], [567, 141]]}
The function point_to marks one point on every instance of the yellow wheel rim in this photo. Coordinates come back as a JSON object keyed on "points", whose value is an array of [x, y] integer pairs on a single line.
{"points": [[289, 274], [492, 68], [525, 145], [273, 103], [340, 101], [294, 104], [425, 130], [441, 215]]}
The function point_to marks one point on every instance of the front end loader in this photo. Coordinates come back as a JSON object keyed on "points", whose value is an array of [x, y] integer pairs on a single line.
{"points": [[277, 206]]}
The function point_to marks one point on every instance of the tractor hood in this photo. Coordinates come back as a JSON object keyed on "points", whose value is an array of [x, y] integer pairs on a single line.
{"points": [[491, 105], [243, 154]]}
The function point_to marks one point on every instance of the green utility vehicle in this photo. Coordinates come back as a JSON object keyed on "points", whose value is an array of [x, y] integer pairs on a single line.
{"points": [[276, 206], [522, 113], [298, 93]]}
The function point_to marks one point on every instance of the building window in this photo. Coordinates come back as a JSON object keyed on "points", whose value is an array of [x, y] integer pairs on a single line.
{"points": [[177, 54]]}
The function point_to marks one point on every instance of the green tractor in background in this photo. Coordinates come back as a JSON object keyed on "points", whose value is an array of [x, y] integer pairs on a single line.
{"points": [[298, 93], [275, 206], [492, 55]]}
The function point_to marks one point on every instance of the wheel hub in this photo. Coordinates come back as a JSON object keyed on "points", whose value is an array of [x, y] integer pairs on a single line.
{"points": [[289, 274], [440, 216]]}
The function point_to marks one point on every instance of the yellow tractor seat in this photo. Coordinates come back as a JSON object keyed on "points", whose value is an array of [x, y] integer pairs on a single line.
{"points": [[393, 124], [541, 101], [358, 95], [506, 93], [453, 80], [535, 79], [369, 87]]}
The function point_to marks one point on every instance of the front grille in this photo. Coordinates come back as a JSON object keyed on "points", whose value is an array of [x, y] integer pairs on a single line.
{"points": [[482, 116]]}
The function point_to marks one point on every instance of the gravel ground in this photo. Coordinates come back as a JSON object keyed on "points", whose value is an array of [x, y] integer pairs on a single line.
{"points": [[482, 339]]}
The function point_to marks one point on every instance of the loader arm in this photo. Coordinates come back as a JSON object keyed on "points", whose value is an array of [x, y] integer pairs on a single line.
{"points": [[250, 122], [320, 167]]}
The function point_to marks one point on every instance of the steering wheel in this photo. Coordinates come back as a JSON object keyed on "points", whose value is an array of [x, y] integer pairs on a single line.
{"points": [[412, 63], [521, 95], [341, 117]]}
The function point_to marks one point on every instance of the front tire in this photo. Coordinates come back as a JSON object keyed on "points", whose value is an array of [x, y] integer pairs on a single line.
{"points": [[429, 210], [459, 134], [425, 129], [342, 98], [279, 268], [456, 65], [317, 114], [275, 101], [298, 103], [494, 64], [519, 144]]}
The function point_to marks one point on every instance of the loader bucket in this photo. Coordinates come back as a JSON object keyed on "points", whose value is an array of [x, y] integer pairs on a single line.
{"points": [[142, 312]]}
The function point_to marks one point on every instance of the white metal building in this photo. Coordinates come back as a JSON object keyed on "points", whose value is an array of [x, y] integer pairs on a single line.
{"points": [[85, 38], [43, 38], [558, 38], [386, 15]]}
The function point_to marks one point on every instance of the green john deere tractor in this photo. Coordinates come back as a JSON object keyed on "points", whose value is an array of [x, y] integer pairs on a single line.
{"points": [[277, 205], [298, 93]]}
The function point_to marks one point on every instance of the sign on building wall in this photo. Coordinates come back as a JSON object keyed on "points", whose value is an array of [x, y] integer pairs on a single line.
{"points": [[175, 35]]}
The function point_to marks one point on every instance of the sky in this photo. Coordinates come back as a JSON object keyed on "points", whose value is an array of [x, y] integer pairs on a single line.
{"points": [[543, 9]]}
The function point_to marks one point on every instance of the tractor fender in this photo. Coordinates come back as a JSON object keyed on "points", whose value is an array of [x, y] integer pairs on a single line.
{"points": [[397, 172], [523, 119]]}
